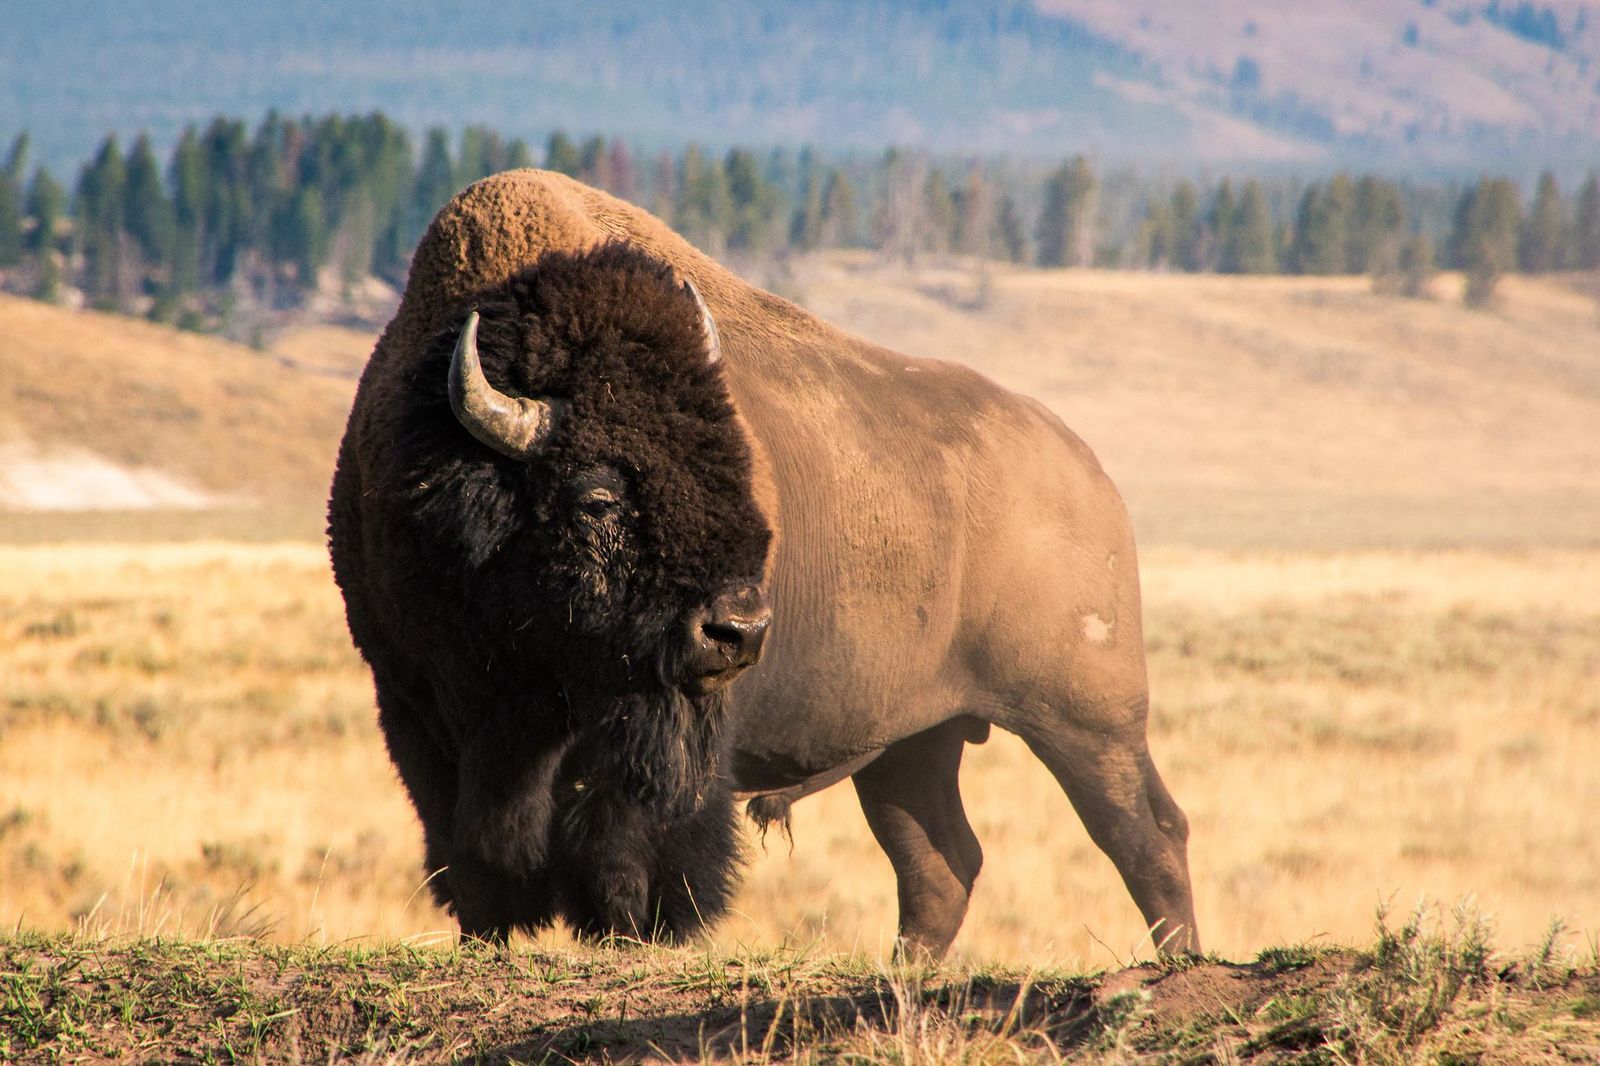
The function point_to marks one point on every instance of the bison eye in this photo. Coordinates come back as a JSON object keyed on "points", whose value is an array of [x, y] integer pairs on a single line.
{"points": [[598, 502]]}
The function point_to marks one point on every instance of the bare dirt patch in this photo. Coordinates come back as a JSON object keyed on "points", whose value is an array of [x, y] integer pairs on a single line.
{"points": [[76, 479]]}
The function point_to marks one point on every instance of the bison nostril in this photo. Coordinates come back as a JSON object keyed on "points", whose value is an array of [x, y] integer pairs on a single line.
{"points": [[737, 637], [725, 633]]}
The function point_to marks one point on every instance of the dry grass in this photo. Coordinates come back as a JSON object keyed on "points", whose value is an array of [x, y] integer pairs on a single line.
{"points": [[187, 742]]}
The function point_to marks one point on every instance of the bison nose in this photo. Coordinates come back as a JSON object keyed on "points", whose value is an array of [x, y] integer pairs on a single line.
{"points": [[726, 637], [738, 638]]}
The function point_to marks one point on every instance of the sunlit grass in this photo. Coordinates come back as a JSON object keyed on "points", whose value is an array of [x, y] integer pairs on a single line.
{"points": [[1339, 727]]}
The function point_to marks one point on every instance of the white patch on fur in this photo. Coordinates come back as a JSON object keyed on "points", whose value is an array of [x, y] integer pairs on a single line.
{"points": [[1096, 630]]}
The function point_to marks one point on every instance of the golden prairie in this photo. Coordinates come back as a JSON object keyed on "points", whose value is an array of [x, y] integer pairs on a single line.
{"points": [[188, 739]]}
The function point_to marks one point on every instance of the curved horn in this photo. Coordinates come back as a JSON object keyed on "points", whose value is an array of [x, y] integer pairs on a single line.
{"points": [[707, 323], [512, 425]]}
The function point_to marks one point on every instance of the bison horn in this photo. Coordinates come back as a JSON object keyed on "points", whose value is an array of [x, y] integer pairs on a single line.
{"points": [[707, 323], [511, 425]]}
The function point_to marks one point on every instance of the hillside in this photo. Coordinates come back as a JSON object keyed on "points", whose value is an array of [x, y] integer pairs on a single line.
{"points": [[1280, 384], [98, 410], [1229, 410], [1401, 86]]}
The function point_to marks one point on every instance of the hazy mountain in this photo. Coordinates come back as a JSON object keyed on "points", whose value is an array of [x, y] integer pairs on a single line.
{"points": [[1406, 84]]}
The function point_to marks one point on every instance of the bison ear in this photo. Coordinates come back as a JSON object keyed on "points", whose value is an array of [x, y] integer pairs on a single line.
{"points": [[707, 324], [514, 426]]}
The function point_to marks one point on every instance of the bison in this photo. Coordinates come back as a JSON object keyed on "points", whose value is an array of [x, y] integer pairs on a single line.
{"points": [[626, 540]]}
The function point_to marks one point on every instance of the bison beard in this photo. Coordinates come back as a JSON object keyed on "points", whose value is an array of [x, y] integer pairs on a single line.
{"points": [[649, 800], [633, 834]]}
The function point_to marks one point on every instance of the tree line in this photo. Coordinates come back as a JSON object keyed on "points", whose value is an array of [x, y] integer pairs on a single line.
{"points": [[265, 217]]}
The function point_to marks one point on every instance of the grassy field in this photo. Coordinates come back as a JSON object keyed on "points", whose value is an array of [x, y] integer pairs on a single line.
{"points": [[187, 743]]}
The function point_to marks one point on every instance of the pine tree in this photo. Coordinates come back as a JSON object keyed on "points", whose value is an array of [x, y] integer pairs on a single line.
{"points": [[387, 187], [98, 213], [1321, 239], [1219, 221], [975, 216], [1248, 246], [266, 174], [756, 205], [1341, 202], [664, 187], [1067, 223], [188, 178], [1543, 244], [805, 225], [899, 225], [839, 225], [482, 153], [11, 222], [704, 209], [938, 213], [621, 180], [16, 165], [1377, 225], [1417, 267], [1188, 233], [150, 219], [518, 155], [592, 163], [46, 206], [13, 209], [305, 235], [1155, 241], [434, 185], [561, 155], [1485, 238], [227, 199], [1586, 229], [1009, 231]]}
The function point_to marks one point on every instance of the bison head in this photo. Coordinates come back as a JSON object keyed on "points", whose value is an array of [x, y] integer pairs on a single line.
{"points": [[581, 469]]}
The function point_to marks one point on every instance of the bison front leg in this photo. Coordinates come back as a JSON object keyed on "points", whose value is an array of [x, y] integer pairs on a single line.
{"points": [[429, 778], [912, 799], [500, 831]]}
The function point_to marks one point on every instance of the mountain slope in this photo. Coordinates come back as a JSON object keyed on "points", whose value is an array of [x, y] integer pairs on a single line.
{"points": [[1442, 78], [1401, 86]]}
